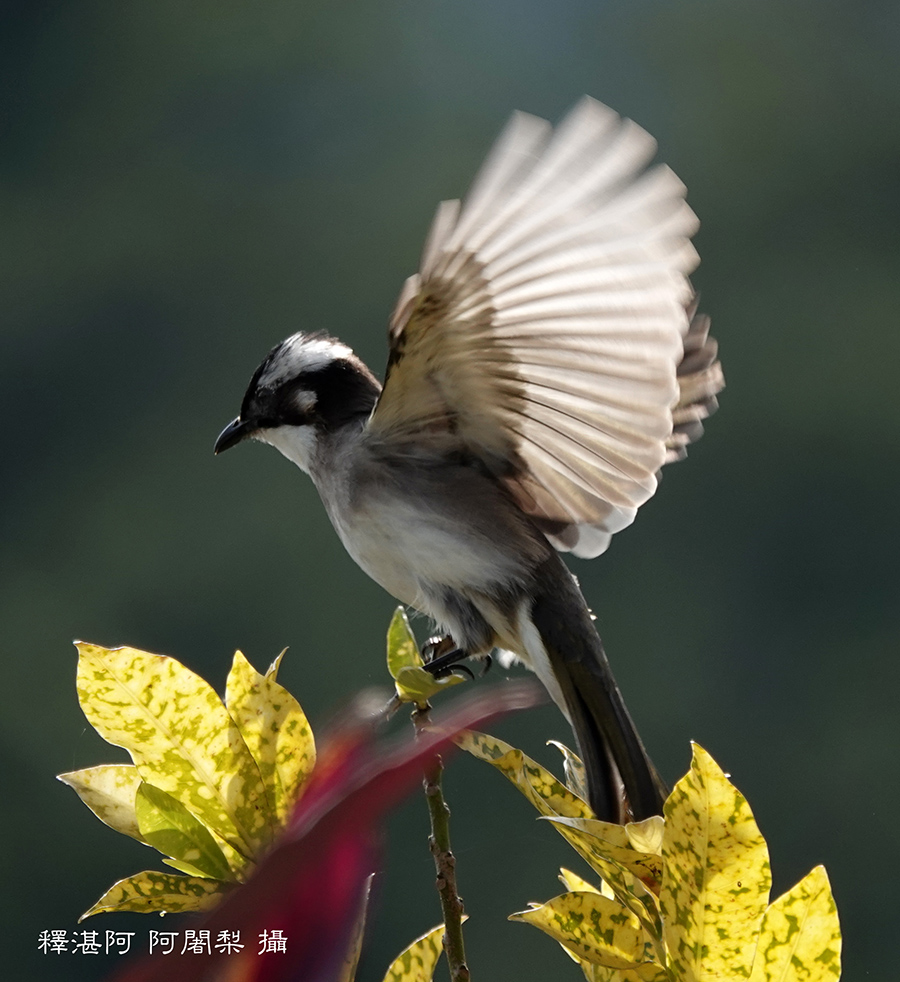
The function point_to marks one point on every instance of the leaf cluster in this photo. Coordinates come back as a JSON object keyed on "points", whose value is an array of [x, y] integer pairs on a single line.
{"points": [[211, 783], [682, 898], [679, 899]]}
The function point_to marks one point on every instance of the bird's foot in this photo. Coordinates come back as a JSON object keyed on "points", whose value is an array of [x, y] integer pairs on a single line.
{"points": [[442, 658], [437, 646]]}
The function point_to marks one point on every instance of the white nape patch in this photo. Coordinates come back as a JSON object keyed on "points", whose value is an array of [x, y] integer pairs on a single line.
{"points": [[536, 657], [297, 443], [301, 353]]}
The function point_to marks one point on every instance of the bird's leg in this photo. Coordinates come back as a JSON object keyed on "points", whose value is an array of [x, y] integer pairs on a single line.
{"points": [[442, 657]]}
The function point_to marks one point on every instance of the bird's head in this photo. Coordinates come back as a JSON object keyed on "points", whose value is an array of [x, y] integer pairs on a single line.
{"points": [[307, 386]]}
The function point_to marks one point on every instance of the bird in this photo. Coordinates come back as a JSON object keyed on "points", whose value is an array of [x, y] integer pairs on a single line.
{"points": [[545, 362]]}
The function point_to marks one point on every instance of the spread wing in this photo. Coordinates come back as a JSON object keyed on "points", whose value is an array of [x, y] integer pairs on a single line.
{"points": [[545, 330]]}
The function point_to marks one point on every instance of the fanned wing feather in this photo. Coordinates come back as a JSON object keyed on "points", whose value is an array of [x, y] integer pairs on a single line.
{"points": [[551, 332]]}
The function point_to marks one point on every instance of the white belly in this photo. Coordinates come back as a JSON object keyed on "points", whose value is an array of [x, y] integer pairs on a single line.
{"points": [[437, 536], [406, 550]]}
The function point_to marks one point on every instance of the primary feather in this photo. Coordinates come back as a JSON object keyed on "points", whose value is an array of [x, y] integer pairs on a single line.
{"points": [[544, 331]]}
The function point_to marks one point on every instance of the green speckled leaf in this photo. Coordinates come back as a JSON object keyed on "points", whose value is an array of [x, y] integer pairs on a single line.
{"points": [[594, 928], [238, 863], [275, 730], [404, 662], [418, 686], [546, 792], [108, 790], [418, 961], [180, 737], [716, 877], [152, 892], [170, 828], [402, 650], [801, 936]]}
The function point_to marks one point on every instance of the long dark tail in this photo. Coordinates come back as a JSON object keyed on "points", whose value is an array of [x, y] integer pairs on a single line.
{"points": [[623, 784]]}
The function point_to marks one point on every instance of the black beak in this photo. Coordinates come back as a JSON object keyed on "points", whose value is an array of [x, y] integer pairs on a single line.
{"points": [[237, 430]]}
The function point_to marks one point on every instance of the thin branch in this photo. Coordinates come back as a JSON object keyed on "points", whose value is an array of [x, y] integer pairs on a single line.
{"points": [[444, 863]]}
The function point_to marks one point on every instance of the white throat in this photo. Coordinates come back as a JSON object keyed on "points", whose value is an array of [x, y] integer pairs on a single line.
{"points": [[298, 443]]}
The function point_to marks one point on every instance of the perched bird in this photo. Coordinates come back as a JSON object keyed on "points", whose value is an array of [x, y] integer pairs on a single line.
{"points": [[545, 362]]}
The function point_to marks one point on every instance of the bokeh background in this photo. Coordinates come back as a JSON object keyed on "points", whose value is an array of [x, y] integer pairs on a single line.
{"points": [[184, 184]]}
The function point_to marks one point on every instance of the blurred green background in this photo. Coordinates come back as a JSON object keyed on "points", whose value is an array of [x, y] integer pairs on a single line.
{"points": [[184, 184]]}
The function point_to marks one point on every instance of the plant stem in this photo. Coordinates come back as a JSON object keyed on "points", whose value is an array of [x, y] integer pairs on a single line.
{"points": [[444, 863]]}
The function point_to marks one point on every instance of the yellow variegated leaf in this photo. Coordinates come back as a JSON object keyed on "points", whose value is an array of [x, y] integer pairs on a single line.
{"points": [[596, 929], [272, 670], [574, 883], [800, 939], [573, 768], [418, 961], [404, 661], [186, 868], [169, 827], [549, 795], [238, 863], [716, 877], [275, 731], [554, 801], [643, 973], [108, 790], [152, 892], [402, 650], [622, 869], [648, 972], [612, 843], [180, 737], [647, 836], [418, 686]]}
